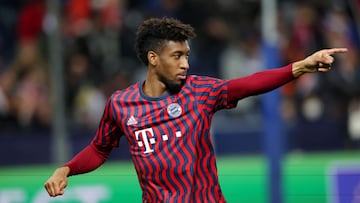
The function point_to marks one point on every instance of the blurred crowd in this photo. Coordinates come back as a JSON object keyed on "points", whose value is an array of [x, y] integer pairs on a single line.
{"points": [[97, 38]]}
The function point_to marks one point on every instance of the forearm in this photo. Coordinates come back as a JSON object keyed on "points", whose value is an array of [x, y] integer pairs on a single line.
{"points": [[63, 171], [90, 158], [260, 82]]}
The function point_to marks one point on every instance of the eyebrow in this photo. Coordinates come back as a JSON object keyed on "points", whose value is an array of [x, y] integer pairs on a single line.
{"points": [[182, 52]]}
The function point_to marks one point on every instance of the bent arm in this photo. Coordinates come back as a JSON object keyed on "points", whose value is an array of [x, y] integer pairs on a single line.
{"points": [[90, 158], [259, 83]]}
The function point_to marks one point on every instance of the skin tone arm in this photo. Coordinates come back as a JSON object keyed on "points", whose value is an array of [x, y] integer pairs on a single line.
{"points": [[320, 61]]}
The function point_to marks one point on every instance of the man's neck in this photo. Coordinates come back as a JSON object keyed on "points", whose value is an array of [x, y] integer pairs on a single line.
{"points": [[153, 87]]}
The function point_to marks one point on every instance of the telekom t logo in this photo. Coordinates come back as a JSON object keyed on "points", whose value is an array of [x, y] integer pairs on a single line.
{"points": [[146, 141], [146, 138]]}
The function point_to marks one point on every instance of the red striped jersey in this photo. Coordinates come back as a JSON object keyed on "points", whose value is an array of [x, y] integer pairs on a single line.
{"points": [[169, 138]]}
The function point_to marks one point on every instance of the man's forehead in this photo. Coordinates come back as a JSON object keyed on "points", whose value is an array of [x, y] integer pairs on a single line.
{"points": [[171, 45]]}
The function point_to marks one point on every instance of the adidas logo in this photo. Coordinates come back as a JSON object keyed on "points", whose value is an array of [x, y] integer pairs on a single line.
{"points": [[131, 121]]}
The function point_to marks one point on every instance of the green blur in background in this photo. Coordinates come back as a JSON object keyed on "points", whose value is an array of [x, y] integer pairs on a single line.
{"points": [[243, 179]]}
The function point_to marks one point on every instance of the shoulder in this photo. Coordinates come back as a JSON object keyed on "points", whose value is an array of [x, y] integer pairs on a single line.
{"points": [[124, 93], [200, 81]]}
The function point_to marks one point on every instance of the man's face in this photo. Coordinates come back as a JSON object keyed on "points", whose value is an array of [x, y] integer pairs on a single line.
{"points": [[173, 64]]}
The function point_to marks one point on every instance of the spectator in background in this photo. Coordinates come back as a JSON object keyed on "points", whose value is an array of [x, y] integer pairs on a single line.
{"points": [[247, 52], [76, 76], [89, 102], [216, 35], [30, 87], [320, 102], [24, 100], [29, 93], [77, 17], [341, 86], [303, 38], [94, 31], [30, 21], [86, 97], [7, 118]]}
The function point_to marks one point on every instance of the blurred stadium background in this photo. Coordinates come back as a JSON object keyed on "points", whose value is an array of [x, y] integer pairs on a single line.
{"points": [[56, 77]]}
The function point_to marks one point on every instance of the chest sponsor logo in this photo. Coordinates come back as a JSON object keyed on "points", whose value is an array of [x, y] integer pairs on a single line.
{"points": [[146, 138]]}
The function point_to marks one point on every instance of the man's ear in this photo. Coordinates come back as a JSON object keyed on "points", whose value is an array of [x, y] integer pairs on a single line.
{"points": [[152, 58]]}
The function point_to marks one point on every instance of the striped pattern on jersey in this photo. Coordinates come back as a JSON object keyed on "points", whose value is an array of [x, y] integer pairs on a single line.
{"points": [[169, 138]]}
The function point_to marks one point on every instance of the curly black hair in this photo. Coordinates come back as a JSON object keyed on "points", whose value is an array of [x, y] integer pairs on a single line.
{"points": [[153, 32]]}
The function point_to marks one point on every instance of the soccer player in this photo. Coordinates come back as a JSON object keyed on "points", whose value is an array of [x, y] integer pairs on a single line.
{"points": [[166, 118]]}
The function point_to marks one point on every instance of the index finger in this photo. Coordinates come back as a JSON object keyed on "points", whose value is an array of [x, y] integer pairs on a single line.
{"points": [[336, 50], [49, 189]]}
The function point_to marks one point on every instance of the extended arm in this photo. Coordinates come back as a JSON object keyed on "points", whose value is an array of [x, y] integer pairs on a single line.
{"points": [[268, 80], [90, 158]]}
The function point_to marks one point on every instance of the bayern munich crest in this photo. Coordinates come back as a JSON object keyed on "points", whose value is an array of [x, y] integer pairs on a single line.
{"points": [[174, 110]]}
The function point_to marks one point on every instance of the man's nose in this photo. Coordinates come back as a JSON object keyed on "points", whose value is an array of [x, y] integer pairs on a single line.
{"points": [[185, 63]]}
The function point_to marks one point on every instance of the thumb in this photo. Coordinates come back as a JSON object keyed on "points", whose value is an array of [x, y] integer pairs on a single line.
{"points": [[62, 187]]}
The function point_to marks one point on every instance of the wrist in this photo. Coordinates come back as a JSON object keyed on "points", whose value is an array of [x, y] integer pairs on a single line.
{"points": [[298, 69], [63, 171]]}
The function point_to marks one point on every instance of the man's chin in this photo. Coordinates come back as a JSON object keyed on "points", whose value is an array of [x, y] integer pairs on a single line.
{"points": [[175, 87]]}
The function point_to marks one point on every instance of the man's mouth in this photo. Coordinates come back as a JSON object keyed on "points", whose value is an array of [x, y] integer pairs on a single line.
{"points": [[181, 76]]}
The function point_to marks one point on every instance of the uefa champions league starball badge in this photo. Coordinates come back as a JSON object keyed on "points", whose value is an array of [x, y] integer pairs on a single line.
{"points": [[174, 110]]}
